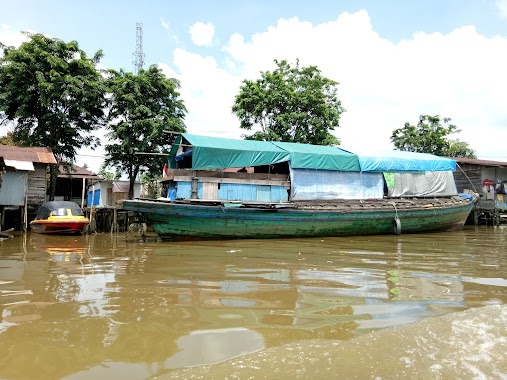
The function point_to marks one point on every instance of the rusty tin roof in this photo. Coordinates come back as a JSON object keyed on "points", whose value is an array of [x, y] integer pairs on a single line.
{"points": [[479, 162], [30, 154], [76, 172]]}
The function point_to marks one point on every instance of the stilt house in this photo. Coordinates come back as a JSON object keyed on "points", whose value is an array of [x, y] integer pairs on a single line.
{"points": [[489, 180], [23, 183]]}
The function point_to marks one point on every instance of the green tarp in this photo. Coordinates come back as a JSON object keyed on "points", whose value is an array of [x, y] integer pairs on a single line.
{"points": [[220, 153], [306, 156]]}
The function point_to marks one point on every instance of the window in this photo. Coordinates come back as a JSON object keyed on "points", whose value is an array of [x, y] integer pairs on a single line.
{"points": [[59, 212], [77, 212]]}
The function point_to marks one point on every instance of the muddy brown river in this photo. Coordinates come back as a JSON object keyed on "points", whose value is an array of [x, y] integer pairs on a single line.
{"points": [[102, 306]]}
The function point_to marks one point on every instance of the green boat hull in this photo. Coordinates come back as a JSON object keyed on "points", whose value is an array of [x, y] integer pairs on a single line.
{"points": [[176, 221]]}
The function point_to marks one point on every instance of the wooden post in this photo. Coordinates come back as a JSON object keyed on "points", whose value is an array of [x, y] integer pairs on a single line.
{"points": [[25, 214], [2, 217], [91, 209], [195, 188], [114, 225], [476, 218], [83, 192]]}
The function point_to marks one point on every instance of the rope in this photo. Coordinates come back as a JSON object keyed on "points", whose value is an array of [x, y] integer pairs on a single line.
{"points": [[395, 209], [475, 190]]}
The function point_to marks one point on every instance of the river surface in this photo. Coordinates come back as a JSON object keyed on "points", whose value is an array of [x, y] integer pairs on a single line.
{"points": [[429, 306]]}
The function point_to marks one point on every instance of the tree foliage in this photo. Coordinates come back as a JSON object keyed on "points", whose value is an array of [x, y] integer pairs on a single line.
{"points": [[430, 136], [142, 107], [8, 139], [291, 104], [106, 174], [53, 94], [459, 148]]}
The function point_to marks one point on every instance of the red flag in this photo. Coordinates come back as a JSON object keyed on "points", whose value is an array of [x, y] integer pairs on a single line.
{"points": [[165, 172]]}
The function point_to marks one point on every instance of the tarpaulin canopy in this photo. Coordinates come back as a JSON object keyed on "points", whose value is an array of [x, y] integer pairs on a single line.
{"points": [[421, 184], [45, 210], [219, 153], [400, 161], [332, 184], [306, 156]]}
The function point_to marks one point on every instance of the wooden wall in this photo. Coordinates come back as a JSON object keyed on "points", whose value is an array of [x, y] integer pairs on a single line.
{"points": [[474, 180], [37, 185]]}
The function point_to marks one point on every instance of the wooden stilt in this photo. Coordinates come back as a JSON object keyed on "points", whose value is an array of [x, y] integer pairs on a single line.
{"points": [[2, 217], [114, 226]]}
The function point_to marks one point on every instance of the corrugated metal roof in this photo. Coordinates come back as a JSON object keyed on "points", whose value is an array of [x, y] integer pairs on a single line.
{"points": [[76, 172], [30, 154], [479, 162]]}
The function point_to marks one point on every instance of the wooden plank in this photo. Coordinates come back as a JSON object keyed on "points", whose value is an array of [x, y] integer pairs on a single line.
{"points": [[234, 180], [220, 174], [210, 190]]}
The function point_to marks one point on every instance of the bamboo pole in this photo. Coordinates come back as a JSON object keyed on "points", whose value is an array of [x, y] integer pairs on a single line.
{"points": [[114, 226], [83, 192], [25, 215], [91, 209]]}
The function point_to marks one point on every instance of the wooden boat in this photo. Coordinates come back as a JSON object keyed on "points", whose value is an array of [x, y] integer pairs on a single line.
{"points": [[57, 217], [217, 220], [322, 191]]}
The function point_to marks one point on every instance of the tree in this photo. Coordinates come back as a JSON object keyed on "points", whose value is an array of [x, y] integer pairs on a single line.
{"points": [[8, 139], [429, 136], [459, 148], [54, 95], [142, 107], [292, 104], [107, 175]]}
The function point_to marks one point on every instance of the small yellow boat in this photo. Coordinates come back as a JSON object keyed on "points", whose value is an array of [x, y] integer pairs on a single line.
{"points": [[58, 217]]}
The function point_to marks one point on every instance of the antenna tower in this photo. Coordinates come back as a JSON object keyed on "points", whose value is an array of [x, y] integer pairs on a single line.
{"points": [[138, 55]]}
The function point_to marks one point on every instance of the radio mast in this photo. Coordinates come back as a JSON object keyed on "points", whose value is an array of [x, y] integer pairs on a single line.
{"points": [[138, 55]]}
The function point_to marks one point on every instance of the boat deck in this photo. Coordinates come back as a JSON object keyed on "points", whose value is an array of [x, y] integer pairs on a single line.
{"points": [[346, 204]]}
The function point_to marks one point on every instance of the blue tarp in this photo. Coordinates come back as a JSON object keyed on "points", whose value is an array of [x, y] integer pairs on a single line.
{"points": [[400, 161]]}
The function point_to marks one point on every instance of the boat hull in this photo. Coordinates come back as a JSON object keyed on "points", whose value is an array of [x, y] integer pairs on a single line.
{"points": [[57, 227], [173, 221]]}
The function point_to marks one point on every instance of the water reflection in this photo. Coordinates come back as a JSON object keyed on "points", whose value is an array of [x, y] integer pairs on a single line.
{"points": [[104, 307]]}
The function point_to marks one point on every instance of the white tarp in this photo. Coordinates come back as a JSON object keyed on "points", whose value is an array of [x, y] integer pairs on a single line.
{"points": [[426, 184], [20, 165], [309, 184]]}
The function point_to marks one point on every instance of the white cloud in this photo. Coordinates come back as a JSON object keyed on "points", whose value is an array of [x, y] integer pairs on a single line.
{"points": [[164, 23], [202, 34], [208, 92], [502, 8], [9, 37], [382, 84], [172, 37]]}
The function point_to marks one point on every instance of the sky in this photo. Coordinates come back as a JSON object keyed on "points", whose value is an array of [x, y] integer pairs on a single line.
{"points": [[394, 60]]}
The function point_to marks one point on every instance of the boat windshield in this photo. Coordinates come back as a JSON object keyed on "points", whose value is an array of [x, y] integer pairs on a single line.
{"points": [[59, 212], [65, 212]]}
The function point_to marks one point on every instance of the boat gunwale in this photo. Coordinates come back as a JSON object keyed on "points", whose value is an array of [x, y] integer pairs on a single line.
{"points": [[390, 204]]}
